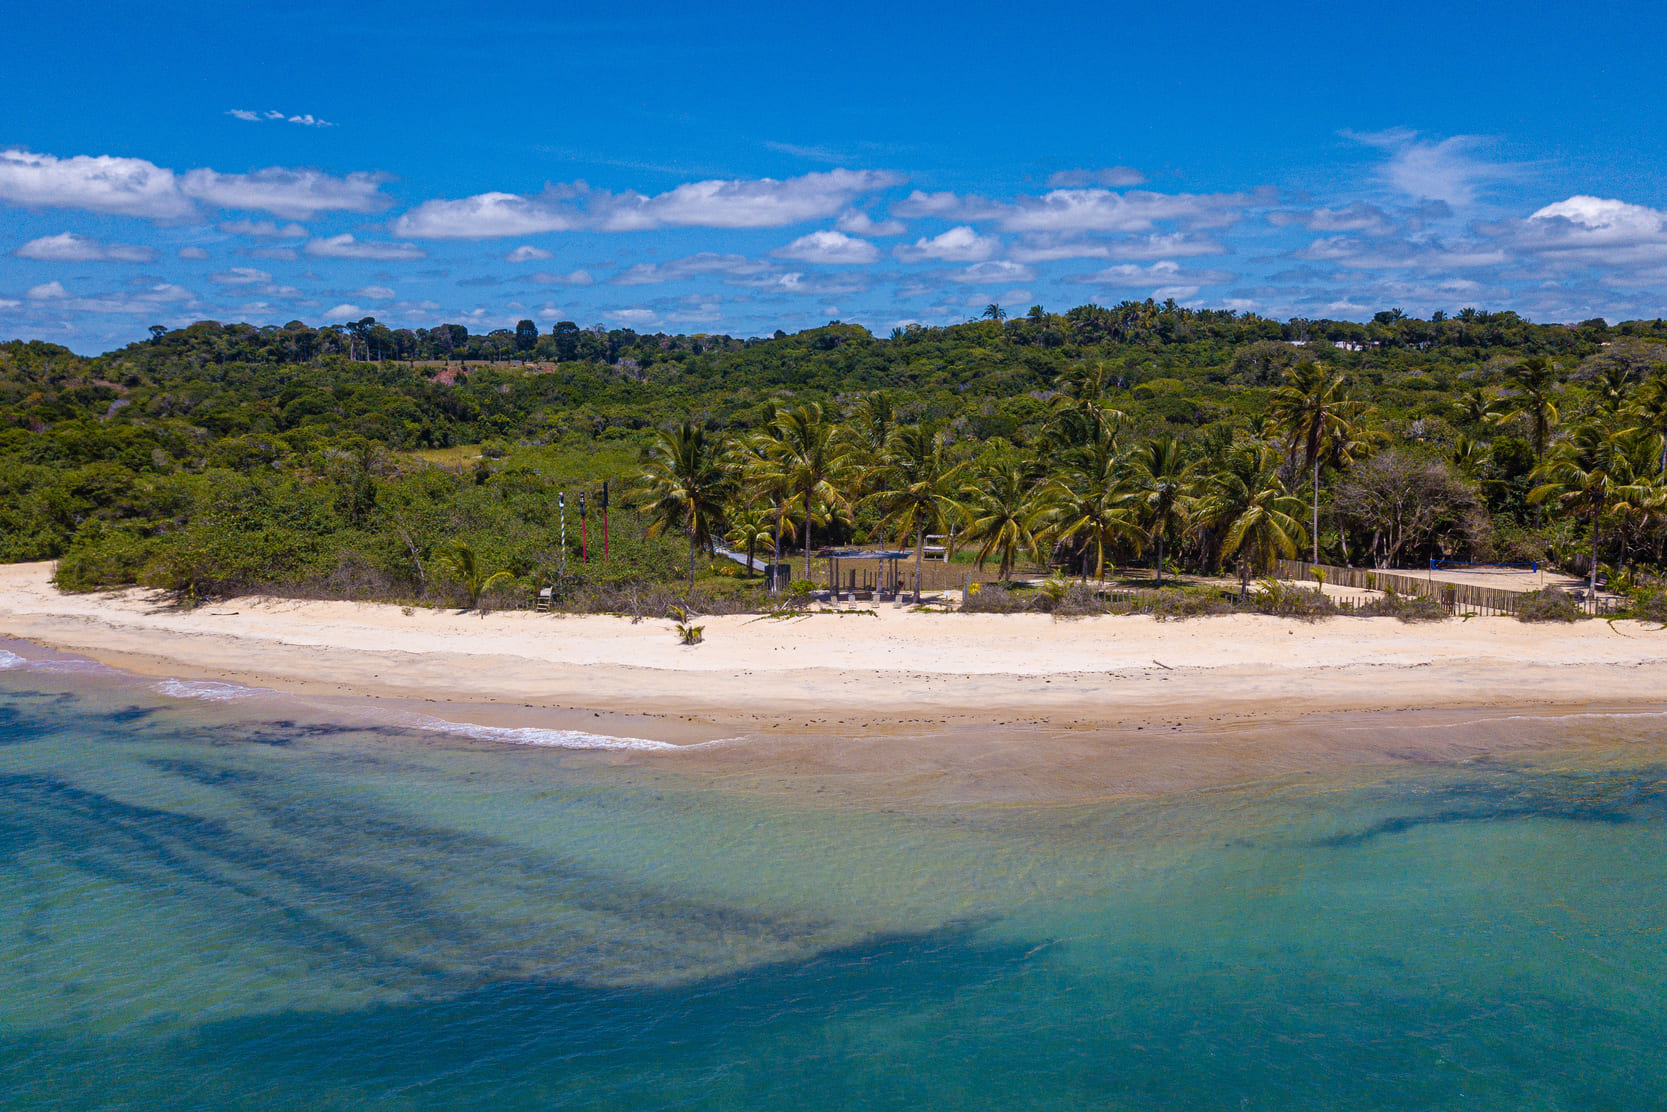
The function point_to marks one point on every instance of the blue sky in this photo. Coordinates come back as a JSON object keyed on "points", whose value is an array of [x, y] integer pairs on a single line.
{"points": [[746, 166]]}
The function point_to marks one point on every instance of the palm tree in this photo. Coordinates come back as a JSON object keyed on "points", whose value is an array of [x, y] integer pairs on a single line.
{"points": [[747, 528], [995, 312], [759, 460], [1533, 380], [1314, 410], [1589, 472], [465, 566], [813, 460], [1613, 389], [913, 488], [1086, 504], [1478, 406], [1164, 481], [1002, 510], [1650, 409], [1250, 501], [686, 487]]}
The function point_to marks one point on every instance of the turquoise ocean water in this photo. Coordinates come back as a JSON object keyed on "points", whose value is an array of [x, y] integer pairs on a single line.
{"points": [[213, 899]]}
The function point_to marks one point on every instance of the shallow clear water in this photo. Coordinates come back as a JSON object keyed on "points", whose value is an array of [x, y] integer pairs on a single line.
{"points": [[213, 900]]}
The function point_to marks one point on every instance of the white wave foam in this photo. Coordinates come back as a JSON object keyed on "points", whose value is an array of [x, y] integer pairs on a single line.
{"points": [[204, 689], [11, 660], [532, 735]]}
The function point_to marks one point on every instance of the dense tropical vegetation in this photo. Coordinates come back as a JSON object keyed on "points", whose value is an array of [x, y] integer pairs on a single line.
{"points": [[361, 461]]}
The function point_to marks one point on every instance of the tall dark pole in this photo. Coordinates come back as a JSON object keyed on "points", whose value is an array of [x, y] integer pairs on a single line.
{"points": [[584, 532], [604, 520]]}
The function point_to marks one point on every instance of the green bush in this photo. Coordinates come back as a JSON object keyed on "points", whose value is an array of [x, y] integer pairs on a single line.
{"points": [[1647, 606], [1414, 608], [1549, 604], [1286, 601]]}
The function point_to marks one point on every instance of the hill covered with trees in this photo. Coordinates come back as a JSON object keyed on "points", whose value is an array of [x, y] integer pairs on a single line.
{"points": [[354, 460]]}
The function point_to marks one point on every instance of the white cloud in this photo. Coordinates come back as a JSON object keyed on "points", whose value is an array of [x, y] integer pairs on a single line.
{"points": [[375, 293], [264, 229], [527, 253], [572, 278], [192, 253], [282, 254], [1167, 274], [858, 223], [68, 247], [829, 247], [1173, 245], [489, 216], [761, 203], [633, 316], [343, 312], [958, 245], [1358, 217], [946, 206], [1100, 210], [345, 246], [292, 194], [1595, 231], [758, 203], [1439, 171], [1078, 211], [307, 120], [1114, 177], [48, 291], [135, 187], [122, 186], [997, 271], [734, 268], [241, 276]]}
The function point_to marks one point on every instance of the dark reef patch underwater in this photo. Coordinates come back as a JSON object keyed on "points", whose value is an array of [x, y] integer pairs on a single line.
{"points": [[218, 903]]}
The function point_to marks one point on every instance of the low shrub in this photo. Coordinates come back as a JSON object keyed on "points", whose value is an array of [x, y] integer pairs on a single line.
{"points": [[1647, 606], [1549, 604], [1184, 603], [1286, 601], [1406, 608], [992, 598]]}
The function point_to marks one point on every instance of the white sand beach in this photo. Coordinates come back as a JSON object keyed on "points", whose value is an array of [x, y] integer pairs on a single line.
{"points": [[865, 675]]}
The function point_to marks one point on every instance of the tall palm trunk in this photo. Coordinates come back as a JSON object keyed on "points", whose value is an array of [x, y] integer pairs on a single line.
{"points": [[1594, 580], [807, 532], [775, 550], [691, 559], [1316, 537], [1160, 560]]}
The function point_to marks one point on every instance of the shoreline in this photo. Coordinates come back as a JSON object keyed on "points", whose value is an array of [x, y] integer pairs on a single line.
{"points": [[987, 707]]}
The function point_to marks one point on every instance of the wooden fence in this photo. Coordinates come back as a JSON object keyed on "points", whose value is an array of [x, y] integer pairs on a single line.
{"points": [[1459, 598]]}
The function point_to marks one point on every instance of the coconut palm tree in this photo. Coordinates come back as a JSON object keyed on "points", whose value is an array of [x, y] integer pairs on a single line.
{"points": [[814, 460], [748, 528], [759, 462], [1478, 406], [1589, 472], [685, 487], [1002, 511], [1250, 502], [1315, 411], [913, 487], [1086, 504], [1533, 382], [1649, 410], [466, 568], [1164, 482]]}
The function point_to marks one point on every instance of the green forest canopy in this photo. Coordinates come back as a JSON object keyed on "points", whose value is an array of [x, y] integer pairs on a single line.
{"points": [[221, 457]]}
